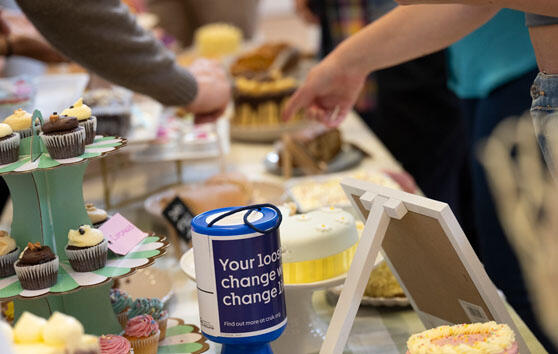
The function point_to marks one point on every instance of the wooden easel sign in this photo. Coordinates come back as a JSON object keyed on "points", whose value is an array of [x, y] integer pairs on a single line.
{"points": [[429, 255]]}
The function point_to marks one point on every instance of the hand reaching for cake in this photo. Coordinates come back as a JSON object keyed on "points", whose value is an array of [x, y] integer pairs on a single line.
{"points": [[214, 90], [328, 93]]}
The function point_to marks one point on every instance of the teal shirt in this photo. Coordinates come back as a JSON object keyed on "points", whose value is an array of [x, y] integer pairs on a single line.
{"points": [[491, 56]]}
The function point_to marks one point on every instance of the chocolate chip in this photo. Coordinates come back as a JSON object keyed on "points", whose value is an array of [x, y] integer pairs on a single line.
{"points": [[81, 231]]}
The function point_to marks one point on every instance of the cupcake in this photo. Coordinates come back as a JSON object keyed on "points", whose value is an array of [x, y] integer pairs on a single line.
{"points": [[8, 254], [83, 114], [20, 122], [121, 302], [87, 249], [63, 137], [143, 334], [111, 344], [37, 267], [9, 144], [154, 308], [97, 216]]}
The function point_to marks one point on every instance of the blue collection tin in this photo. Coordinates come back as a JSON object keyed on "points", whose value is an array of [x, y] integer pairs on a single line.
{"points": [[241, 295]]}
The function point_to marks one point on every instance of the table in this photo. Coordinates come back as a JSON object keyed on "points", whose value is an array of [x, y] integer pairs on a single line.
{"points": [[375, 330]]}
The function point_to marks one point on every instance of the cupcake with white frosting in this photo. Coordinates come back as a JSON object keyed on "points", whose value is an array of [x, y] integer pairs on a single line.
{"points": [[87, 249], [9, 144], [97, 216], [9, 253], [20, 122], [83, 114]]}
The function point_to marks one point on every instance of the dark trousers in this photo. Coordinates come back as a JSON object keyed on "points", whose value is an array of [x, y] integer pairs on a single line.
{"points": [[497, 255], [419, 121]]}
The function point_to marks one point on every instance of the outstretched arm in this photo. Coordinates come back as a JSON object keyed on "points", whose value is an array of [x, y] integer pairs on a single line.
{"points": [[541, 7], [405, 33]]}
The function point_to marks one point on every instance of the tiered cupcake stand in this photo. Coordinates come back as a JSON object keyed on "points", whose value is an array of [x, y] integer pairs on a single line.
{"points": [[48, 202]]}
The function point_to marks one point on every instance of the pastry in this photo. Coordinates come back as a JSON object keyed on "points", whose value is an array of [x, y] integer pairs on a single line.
{"points": [[480, 338], [215, 40], [63, 137], [143, 333], [61, 334], [20, 121], [83, 114], [154, 308], [97, 216], [236, 178], [37, 267], [87, 249], [112, 344], [260, 60], [318, 245], [260, 102], [121, 303], [313, 193], [112, 107], [9, 253], [382, 283], [9, 144]]}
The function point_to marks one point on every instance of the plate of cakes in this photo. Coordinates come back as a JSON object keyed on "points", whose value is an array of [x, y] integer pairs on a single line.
{"points": [[315, 149]]}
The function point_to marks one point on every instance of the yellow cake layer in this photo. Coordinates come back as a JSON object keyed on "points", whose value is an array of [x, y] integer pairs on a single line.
{"points": [[319, 269]]}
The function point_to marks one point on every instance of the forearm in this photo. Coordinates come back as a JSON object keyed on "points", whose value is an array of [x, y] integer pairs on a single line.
{"points": [[541, 7], [103, 37], [409, 32]]}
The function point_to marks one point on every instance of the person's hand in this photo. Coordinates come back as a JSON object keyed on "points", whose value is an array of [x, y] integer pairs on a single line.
{"points": [[328, 93], [214, 90], [34, 48], [464, 2], [303, 10]]}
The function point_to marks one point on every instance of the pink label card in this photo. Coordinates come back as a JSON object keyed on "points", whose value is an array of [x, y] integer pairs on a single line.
{"points": [[121, 234]]}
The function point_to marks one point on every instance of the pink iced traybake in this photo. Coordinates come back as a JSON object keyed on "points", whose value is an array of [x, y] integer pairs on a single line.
{"points": [[481, 338]]}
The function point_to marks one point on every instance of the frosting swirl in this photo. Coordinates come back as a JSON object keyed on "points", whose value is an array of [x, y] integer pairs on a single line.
{"points": [[143, 306], [85, 236], [5, 130], [95, 215], [111, 344], [59, 124], [7, 244], [120, 300], [141, 326], [35, 254], [79, 110], [19, 120]]}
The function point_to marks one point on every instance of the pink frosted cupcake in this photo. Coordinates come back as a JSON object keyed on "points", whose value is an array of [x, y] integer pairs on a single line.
{"points": [[486, 337], [111, 344], [143, 334]]}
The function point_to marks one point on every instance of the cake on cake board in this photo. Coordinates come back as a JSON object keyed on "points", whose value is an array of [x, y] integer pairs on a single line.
{"points": [[429, 255]]}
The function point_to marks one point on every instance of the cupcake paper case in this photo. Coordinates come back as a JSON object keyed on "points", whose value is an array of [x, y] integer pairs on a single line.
{"points": [[20, 122], [37, 267], [83, 114], [63, 137], [154, 308], [9, 144], [120, 302], [9, 253], [143, 334], [87, 249]]}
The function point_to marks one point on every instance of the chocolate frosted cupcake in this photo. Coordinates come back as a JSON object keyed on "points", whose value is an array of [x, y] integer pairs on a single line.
{"points": [[20, 122], [37, 267], [97, 216], [9, 144], [63, 137], [83, 114], [87, 249], [8, 254]]}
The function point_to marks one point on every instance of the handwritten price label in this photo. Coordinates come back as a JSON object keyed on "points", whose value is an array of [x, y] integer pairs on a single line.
{"points": [[121, 234]]}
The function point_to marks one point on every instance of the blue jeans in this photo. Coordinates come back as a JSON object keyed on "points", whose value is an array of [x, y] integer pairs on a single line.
{"points": [[544, 112]]}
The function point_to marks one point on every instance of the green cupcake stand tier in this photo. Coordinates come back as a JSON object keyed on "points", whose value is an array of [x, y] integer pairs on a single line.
{"points": [[48, 201], [182, 339]]}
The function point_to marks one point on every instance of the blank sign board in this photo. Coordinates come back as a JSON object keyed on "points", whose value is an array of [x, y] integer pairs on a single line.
{"points": [[429, 255]]}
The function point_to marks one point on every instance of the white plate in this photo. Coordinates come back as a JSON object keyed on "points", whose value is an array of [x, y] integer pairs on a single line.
{"points": [[59, 91], [187, 264], [347, 158], [148, 282]]}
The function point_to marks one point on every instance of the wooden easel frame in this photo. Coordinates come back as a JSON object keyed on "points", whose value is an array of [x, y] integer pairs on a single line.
{"points": [[379, 206]]}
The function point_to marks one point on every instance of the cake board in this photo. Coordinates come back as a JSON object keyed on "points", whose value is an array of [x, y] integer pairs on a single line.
{"points": [[429, 255]]}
